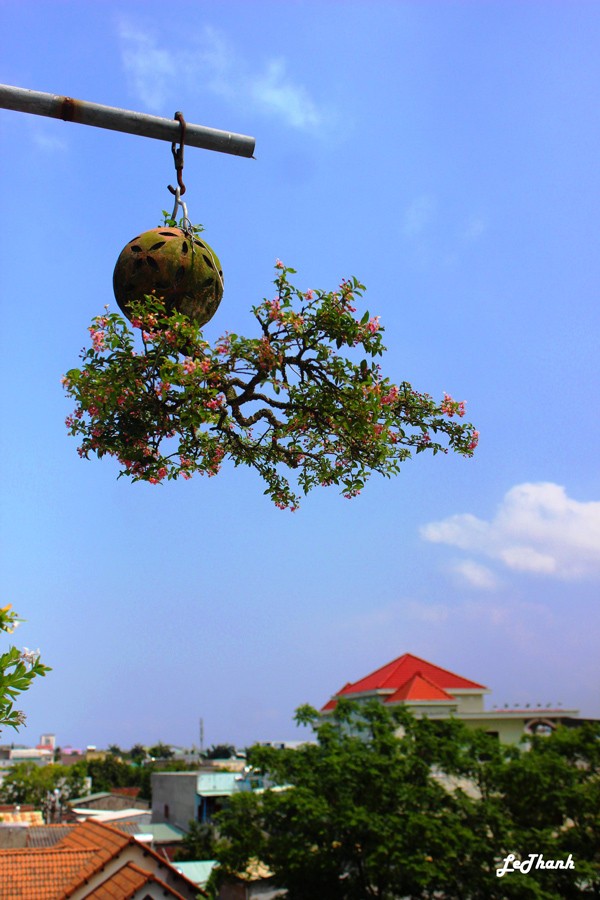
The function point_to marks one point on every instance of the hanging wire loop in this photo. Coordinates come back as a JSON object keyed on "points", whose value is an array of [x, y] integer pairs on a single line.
{"points": [[178, 157]]}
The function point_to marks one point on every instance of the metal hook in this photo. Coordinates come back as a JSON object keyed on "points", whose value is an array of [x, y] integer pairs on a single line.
{"points": [[178, 156], [186, 224]]}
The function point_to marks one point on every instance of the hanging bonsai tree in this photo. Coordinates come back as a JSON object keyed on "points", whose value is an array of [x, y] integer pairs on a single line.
{"points": [[304, 403]]}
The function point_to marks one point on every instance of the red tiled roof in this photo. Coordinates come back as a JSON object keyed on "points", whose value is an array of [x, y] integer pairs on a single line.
{"points": [[419, 688], [39, 874], [396, 675], [125, 883]]}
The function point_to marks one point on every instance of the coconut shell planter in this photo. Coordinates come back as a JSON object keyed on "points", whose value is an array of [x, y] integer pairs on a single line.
{"points": [[175, 266]]}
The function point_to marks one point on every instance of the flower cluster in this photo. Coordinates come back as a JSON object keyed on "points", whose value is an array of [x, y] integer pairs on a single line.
{"points": [[452, 407], [305, 400]]}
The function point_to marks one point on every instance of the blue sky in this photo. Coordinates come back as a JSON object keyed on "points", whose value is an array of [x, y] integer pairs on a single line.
{"points": [[446, 154]]}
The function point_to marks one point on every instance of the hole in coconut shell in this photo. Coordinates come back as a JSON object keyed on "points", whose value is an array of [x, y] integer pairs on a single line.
{"points": [[166, 234], [152, 263], [207, 260], [157, 246], [136, 248], [184, 247], [179, 274]]}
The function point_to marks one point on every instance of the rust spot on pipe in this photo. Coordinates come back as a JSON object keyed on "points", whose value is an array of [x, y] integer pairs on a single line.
{"points": [[67, 109]]}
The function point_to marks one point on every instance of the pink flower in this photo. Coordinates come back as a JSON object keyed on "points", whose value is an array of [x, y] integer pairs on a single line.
{"points": [[97, 339], [215, 403], [274, 310], [309, 295], [474, 440], [373, 324], [189, 365], [391, 396], [450, 406], [279, 264]]}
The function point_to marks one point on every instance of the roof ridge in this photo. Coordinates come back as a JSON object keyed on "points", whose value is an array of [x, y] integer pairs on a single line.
{"points": [[375, 681], [34, 851]]}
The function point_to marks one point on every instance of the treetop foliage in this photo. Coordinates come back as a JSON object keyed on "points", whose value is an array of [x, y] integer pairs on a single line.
{"points": [[388, 806]]}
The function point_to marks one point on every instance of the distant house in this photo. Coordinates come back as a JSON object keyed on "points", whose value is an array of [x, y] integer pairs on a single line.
{"points": [[179, 797], [429, 690], [117, 798], [10, 755], [93, 861]]}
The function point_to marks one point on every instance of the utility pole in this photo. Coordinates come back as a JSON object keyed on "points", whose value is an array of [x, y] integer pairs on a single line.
{"points": [[125, 120], [201, 736]]}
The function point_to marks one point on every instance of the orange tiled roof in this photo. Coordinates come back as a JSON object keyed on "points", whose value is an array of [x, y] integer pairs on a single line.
{"points": [[106, 842], [39, 874], [33, 817], [44, 873], [125, 883]]}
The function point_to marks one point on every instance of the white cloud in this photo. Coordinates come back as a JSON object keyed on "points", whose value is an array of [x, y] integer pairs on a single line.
{"points": [[475, 575], [277, 94], [151, 70], [209, 61], [48, 142], [537, 529], [474, 228], [418, 216]]}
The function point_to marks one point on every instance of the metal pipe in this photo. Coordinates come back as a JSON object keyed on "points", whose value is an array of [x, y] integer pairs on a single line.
{"points": [[85, 113]]}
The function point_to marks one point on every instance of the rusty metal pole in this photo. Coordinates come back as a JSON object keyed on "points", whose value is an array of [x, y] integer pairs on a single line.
{"points": [[125, 120]]}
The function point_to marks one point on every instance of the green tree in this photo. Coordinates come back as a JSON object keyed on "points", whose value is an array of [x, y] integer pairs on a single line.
{"points": [[219, 751], [160, 751], [28, 783], [305, 399], [366, 813], [138, 753], [199, 842], [111, 772]]}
